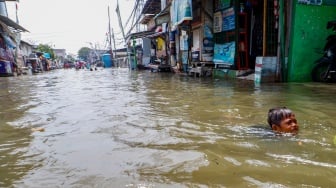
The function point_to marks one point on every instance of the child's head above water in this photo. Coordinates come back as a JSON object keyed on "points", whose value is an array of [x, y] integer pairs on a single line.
{"points": [[282, 120]]}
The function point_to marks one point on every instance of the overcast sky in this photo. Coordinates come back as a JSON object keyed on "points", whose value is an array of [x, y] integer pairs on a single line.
{"points": [[69, 24]]}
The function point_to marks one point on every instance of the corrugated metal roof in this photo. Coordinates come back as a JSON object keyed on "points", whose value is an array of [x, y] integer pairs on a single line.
{"points": [[152, 7], [11, 23], [140, 34]]}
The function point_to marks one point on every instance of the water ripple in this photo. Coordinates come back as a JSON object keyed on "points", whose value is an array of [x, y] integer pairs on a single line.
{"points": [[296, 159]]}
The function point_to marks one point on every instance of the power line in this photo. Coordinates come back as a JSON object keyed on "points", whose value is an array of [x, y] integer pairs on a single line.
{"points": [[119, 20], [134, 8], [136, 23]]}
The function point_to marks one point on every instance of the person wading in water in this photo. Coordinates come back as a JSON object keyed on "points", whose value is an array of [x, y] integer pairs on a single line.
{"points": [[282, 120]]}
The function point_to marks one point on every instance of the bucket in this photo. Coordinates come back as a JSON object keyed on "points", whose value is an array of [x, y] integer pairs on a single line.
{"points": [[208, 45]]}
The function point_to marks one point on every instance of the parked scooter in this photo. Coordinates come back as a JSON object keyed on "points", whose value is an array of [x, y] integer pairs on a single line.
{"points": [[325, 68]]}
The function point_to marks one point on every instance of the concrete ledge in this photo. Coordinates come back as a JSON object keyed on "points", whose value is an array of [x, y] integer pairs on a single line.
{"points": [[233, 74]]}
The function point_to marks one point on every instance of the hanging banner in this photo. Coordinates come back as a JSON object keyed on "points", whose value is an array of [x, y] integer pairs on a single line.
{"points": [[181, 10], [184, 41], [208, 44]]}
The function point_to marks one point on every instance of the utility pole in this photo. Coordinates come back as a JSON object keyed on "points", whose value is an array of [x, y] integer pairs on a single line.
{"points": [[94, 50], [114, 44], [110, 37], [120, 22]]}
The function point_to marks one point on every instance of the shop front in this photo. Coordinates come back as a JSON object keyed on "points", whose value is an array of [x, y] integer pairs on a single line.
{"points": [[191, 37], [9, 38], [181, 16], [7, 62], [247, 32]]}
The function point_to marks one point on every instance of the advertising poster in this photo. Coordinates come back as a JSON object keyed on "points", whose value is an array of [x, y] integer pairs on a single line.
{"points": [[228, 19], [208, 44], [224, 53]]}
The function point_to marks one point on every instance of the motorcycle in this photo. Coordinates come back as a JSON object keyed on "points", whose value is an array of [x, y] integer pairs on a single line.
{"points": [[325, 68]]}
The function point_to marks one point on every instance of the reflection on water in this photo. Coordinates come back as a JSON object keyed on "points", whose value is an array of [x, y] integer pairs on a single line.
{"points": [[116, 128]]}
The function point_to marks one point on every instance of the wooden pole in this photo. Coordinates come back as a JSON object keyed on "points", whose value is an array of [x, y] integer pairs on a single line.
{"points": [[110, 36]]}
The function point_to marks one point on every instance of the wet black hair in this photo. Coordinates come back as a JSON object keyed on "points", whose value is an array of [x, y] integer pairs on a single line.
{"points": [[275, 115]]}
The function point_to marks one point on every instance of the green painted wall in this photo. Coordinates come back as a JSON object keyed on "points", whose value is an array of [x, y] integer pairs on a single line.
{"points": [[308, 34]]}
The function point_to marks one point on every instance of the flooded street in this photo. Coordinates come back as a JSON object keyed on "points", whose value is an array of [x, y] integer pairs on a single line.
{"points": [[116, 128]]}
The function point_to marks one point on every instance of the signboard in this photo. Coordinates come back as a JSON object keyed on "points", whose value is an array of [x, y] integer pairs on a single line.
{"points": [[222, 4], [228, 19], [208, 43]]}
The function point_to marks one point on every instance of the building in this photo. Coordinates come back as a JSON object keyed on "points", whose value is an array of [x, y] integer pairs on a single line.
{"points": [[25, 49], [10, 58], [275, 39], [60, 57]]}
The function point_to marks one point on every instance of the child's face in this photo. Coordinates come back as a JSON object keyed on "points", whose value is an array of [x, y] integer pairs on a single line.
{"points": [[287, 125]]}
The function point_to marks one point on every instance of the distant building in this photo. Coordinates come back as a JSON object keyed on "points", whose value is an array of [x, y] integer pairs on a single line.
{"points": [[95, 55], [24, 50], [12, 58], [60, 56]]}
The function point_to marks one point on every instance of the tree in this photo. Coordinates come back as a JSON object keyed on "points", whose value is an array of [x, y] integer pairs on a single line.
{"points": [[83, 53], [45, 48]]}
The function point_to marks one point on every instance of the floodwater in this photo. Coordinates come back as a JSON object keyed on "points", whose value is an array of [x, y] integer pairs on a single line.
{"points": [[118, 128]]}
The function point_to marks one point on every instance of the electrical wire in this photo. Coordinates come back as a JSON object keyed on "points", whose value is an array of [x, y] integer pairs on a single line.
{"points": [[133, 12]]}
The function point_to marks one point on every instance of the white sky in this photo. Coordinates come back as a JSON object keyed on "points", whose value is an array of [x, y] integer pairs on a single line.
{"points": [[69, 24]]}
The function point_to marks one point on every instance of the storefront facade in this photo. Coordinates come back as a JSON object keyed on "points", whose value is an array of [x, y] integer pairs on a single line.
{"points": [[268, 37]]}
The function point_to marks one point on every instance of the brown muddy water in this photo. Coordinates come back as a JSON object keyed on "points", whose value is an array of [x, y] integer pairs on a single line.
{"points": [[117, 128]]}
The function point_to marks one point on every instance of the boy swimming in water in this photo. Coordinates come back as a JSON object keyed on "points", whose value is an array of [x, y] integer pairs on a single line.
{"points": [[282, 120]]}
